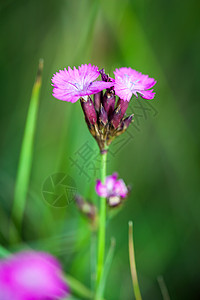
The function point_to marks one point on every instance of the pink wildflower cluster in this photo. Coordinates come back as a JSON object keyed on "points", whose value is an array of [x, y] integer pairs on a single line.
{"points": [[31, 276], [71, 85], [113, 189], [106, 118]]}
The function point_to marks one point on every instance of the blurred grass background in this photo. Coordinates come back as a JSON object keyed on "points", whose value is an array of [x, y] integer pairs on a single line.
{"points": [[160, 158]]}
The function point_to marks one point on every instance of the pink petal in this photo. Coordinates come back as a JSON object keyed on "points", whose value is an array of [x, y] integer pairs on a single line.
{"points": [[69, 85], [98, 86], [123, 92], [147, 94], [110, 182], [101, 189], [129, 82], [120, 188]]}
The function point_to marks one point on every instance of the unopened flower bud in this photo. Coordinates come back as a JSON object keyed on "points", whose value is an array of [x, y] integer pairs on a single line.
{"points": [[128, 121], [124, 125], [89, 111], [123, 106], [119, 112], [103, 117], [104, 76], [97, 101], [109, 102], [117, 116], [86, 207]]}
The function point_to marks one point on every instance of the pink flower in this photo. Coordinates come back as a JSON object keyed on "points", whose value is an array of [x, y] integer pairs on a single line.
{"points": [[31, 276], [113, 189], [69, 85], [129, 82]]}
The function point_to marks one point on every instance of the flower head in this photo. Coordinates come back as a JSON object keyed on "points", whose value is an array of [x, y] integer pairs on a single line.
{"points": [[31, 276], [70, 85], [114, 189], [129, 82]]}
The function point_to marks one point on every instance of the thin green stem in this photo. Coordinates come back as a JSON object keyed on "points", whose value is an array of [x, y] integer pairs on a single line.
{"points": [[102, 223], [136, 287]]}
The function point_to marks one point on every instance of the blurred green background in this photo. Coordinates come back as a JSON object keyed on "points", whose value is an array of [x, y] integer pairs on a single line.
{"points": [[158, 156]]}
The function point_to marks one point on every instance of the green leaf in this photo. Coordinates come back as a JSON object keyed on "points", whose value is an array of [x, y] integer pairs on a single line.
{"points": [[3, 252], [25, 161]]}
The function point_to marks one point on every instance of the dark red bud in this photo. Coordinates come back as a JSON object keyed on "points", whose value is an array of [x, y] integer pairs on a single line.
{"points": [[97, 101], [117, 116], [89, 111], [128, 121], [104, 76], [103, 117], [109, 102], [123, 106], [119, 112]]}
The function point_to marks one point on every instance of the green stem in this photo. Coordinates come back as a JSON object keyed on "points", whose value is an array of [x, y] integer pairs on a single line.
{"points": [[136, 287], [102, 223]]}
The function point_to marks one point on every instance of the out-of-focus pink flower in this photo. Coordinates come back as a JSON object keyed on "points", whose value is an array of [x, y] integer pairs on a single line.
{"points": [[129, 82], [31, 276], [70, 85], [114, 189]]}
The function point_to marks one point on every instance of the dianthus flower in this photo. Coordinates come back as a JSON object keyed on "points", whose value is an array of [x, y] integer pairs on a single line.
{"points": [[129, 82], [105, 117], [113, 189], [31, 276], [71, 85]]}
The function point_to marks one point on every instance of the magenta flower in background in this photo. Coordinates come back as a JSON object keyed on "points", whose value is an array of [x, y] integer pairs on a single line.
{"points": [[114, 189], [70, 85], [129, 82], [31, 276]]}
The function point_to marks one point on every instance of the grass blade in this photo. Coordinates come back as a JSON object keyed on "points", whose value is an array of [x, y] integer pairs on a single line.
{"points": [[163, 288], [78, 288], [132, 264], [109, 258], [25, 161]]}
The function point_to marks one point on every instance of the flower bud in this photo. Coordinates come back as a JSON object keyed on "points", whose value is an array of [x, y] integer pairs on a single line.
{"points": [[128, 121], [103, 117], [109, 102], [124, 125], [104, 76], [86, 207], [123, 106], [89, 111], [117, 116], [97, 101]]}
